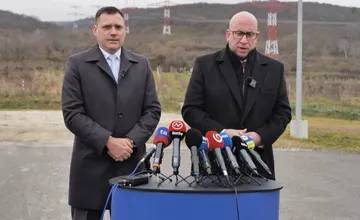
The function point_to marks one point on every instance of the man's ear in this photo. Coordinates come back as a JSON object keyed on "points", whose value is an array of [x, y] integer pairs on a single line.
{"points": [[94, 29], [227, 35]]}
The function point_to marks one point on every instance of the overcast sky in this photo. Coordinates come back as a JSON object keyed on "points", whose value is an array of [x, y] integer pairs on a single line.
{"points": [[57, 10]]}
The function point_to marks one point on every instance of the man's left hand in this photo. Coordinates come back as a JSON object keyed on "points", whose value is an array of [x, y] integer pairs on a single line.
{"points": [[255, 136]]}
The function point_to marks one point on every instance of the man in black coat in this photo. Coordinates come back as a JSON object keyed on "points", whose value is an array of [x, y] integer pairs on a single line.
{"points": [[240, 91], [112, 108]]}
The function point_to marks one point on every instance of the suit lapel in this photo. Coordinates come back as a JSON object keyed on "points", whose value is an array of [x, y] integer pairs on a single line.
{"points": [[103, 64], [258, 74], [125, 62], [95, 55], [230, 76]]}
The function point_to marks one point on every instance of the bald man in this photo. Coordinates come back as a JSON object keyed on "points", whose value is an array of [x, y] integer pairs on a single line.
{"points": [[240, 91]]}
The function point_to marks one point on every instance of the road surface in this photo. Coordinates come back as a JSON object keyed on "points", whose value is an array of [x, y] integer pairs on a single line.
{"points": [[321, 185]]}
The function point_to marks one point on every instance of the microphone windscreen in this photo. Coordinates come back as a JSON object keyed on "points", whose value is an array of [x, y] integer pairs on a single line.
{"points": [[227, 139], [248, 141], [237, 141], [162, 135], [203, 145], [214, 140], [193, 138], [177, 129]]}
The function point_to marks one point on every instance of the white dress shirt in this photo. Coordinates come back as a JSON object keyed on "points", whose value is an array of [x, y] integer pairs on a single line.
{"points": [[117, 54]]}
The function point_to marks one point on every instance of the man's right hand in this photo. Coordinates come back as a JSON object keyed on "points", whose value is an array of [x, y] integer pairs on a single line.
{"points": [[119, 149], [234, 132]]}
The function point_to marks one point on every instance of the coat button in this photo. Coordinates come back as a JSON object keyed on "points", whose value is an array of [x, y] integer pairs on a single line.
{"points": [[120, 115]]}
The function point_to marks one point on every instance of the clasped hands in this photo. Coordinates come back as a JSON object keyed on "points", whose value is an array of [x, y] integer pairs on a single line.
{"points": [[119, 149], [255, 136]]}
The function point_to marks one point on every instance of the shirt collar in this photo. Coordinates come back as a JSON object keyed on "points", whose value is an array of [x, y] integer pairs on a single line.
{"points": [[106, 54], [236, 60]]}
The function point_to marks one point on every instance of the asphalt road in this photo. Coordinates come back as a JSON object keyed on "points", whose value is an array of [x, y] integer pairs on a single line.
{"points": [[317, 184]]}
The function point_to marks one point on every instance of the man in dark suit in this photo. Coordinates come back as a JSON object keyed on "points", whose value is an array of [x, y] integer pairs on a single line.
{"points": [[240, 91], [112, 108]]}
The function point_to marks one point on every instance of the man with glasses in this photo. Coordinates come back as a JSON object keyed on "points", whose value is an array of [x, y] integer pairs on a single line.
{"points": [[240, 91]]}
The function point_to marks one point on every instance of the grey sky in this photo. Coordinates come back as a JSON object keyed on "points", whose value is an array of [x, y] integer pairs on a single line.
{"points": [[57, 10]]}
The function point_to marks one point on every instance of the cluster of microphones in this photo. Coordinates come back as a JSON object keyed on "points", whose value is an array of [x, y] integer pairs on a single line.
{"points": [[215, 155]]}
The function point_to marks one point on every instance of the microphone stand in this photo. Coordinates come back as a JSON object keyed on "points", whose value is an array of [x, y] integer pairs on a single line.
{"points": [[246, 172], [197, 177], [160, 175], [204, 177], [177, 175], [148, 170], [216, 176]]}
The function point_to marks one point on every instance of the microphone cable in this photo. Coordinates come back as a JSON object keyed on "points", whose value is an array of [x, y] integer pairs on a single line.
{"points": [[236, 200], [112, 191]]}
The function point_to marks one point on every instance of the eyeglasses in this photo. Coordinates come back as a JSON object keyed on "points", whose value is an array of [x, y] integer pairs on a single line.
{"points": [[249, 35]]}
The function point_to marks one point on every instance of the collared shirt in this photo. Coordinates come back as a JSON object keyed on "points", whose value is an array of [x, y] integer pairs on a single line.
{"points": [[117, 54]]}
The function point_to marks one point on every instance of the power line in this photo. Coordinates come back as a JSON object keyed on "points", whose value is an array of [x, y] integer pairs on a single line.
{"points": [[75, 13]]}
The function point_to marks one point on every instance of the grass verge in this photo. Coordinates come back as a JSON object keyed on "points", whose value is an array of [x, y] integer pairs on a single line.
{"points": [[325, 134]]}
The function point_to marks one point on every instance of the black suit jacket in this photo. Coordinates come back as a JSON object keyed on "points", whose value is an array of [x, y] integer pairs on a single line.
{"points": [[94, 107], [213, 100]]}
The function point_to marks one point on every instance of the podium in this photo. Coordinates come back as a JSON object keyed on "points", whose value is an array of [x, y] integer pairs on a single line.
{"points": [[252, 201]]}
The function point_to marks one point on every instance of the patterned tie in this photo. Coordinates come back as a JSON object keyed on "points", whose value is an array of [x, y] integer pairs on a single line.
{"points": [[243, 63], [113, 66]]}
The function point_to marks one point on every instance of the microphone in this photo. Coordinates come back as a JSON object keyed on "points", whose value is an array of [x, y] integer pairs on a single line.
{"points": [[250, 82], [177, 131], [159, 132], [227, 147], [204, 158], [161, 141], [193, 141], [241, 147], [147, 155], [248, 141], [122, 74], [216, 143]]}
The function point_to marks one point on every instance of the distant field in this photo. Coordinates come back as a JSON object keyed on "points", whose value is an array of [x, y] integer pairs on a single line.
{"points": [[333, 97], [331, 105]]}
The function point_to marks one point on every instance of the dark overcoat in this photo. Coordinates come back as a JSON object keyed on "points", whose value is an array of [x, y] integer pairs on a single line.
{"points": [[213, 100], [94, 107]]}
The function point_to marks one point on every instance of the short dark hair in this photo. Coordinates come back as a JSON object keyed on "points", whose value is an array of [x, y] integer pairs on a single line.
{"points": [[107, 10]]}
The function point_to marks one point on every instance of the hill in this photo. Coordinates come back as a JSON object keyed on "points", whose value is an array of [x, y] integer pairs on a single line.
{"points": [[9, 20], [320, 13], [33, 53], [331, 36]]}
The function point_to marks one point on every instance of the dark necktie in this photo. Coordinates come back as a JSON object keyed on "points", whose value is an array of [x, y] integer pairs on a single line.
{"points": [[243, 63]]}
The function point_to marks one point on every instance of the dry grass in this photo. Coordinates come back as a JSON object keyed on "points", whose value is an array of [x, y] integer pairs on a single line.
{"points": [[332, 106], [325, 133], [35, 87]]}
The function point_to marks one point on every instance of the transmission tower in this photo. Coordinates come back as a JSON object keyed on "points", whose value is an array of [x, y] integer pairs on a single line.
{"points": [[126, 17], [272, 45], [166, 28], [126, 10], [167, 5], [75, 14]]}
